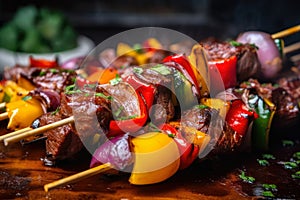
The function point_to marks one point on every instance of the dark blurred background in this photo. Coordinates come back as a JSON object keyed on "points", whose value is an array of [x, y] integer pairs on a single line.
{"points": [[197, 18]]}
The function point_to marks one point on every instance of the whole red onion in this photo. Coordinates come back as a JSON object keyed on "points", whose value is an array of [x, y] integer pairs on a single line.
{"points": [[267, 52]]}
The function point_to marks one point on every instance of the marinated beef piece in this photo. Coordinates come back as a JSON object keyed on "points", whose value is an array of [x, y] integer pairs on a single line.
{"points": [[223, 138], [287, 111], [62, 142], [53, 79], [164, 110], [248, 64], [92, 114]]}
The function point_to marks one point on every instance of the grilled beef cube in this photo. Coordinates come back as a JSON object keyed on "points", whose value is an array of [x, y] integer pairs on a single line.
{"points": [[92, 114], [53, 79], [62, 142], [207, 120]]}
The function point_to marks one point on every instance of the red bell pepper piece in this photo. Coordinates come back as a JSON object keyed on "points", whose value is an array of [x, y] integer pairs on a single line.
{"points": [[181, 63], [147, 91], [188, 151], [239, 116], [227, 71], [43, 63], [119, 127]]}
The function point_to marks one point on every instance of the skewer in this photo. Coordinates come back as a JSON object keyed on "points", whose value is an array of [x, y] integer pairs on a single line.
{"points": [[2, 137], [286, 32], [78, 176], [292, 47], [2, 105], [37, 131], [3, 116], [295, 58]]}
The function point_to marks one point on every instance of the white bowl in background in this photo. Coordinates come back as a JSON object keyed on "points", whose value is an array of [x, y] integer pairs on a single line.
{"points": [[9, 58]]}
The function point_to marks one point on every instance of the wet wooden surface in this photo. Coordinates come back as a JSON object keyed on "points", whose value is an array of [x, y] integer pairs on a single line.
{"points": [[22, 176]]}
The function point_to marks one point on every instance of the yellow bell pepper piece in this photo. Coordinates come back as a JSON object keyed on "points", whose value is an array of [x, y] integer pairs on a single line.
{"points": [[217, 104], [23, 112], [14, 92], [199, 64], [156, 158], [125, 49], [26, 84]]}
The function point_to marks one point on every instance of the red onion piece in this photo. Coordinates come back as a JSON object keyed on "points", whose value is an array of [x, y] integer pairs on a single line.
{"points": [[73, 63], [267, 52], [115, 151]]}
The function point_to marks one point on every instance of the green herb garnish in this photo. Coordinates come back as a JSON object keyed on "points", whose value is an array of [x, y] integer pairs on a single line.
{"points": [[235, 43], [42, 73], [138, 70], [268, 194], [127, 117], [138, 48], [154, 127], [52, 70], [171, 135], [287, 143], [296, 175], [56, 111], [268, 156], [201, 106], [116, 80], [162, 69], [271, 187], [263, 162], [297, 155], [118, 111], [26, 98], [290, 165], [100, 94], [248, 179]]}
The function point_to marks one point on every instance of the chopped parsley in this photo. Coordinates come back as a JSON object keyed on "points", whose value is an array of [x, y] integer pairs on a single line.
{"points": [[271, 187], [153, 127], [162, 69], [116, 80], [56, 111], [268, 194], [118, 111], [171, 135], [268, 156], [297, 155], [263, 162], [54, 71], [235, 43], [201, 106], [287, 143], [296, 175], [248, 179], [128, 117], [26, 98], [290, 165], [138, 70], [100, 94], [42, 73], [71, 89]]}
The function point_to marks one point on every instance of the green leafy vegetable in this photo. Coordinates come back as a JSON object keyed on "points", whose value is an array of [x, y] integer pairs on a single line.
{"points": [[100, 94], [287, 143], [271, 187], [268, 156], [116, 80], [296, 175], [263, 162], [248, 179], [268, 194]]}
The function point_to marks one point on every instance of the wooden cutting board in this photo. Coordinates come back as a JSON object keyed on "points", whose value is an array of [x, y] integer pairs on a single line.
{"points": [[23, 175]]}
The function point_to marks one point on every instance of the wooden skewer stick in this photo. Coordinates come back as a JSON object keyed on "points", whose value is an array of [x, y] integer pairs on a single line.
{"points": [[3, 116], [2, 105], [295, 58], [286, 32], [292, 47], [2, 137], [39, 130], [79, 176]]}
